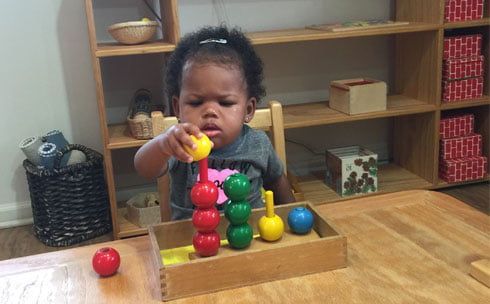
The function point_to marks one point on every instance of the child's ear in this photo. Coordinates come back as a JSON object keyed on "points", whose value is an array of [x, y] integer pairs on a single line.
{"points": [[250, 109], [176, 106]]}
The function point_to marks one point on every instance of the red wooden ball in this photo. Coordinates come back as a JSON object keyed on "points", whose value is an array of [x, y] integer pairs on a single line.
{"points": [[205, 220], [206, 243], [204, 194]]}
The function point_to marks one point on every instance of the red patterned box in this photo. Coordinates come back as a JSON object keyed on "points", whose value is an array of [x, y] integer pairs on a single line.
{"points": [[461, 147], [456, 126], [468, 88], [465, 67], [462, 10], [462, 46], [463, 169]]}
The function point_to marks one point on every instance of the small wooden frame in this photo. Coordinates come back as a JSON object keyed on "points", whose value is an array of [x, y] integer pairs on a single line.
{"points": [[294, 255]]}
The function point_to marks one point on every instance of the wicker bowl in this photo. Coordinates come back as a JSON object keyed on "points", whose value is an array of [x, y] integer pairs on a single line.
{"points": [[133, 32]]}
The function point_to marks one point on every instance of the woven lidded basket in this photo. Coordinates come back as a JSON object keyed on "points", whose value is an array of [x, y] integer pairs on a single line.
{"points": [[133, 32], [69, 203], [139, 114]]}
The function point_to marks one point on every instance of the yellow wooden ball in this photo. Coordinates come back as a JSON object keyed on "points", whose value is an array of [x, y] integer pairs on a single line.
{"points": [[271, 228], [203, 149]]}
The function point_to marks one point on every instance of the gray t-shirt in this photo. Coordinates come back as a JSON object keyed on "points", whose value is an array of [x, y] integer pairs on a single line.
{"points": [[251, 154]]}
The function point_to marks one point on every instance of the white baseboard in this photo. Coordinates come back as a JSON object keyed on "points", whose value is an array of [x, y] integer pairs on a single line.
{"points": [[15, 214]]}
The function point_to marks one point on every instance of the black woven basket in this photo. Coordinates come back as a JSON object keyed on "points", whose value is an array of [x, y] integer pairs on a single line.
{"points": [[69, 204]]}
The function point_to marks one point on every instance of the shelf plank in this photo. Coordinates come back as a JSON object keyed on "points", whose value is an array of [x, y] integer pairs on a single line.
{"points": [[485, 100], [116, 49], [471, 23], [391, 178], [443, 184], [120, 137], [304, 34], [126, 228], [315, 114], [296, 116]]}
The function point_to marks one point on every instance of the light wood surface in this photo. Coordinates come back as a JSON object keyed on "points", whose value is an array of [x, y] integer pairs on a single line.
{"points": [[391, 178], [480, 270], [471, 23], [485, 100], [99, 88], [407, 247], [304, 34], [415, 144], [314, 114], [111, 49]]}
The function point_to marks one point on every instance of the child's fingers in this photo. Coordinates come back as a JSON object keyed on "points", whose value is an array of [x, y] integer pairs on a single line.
{"points": [[177, 150], [184, 138], [192, 129]]}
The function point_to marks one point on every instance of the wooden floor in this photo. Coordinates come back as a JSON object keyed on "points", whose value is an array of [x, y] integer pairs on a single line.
{"points": [[20, 241]]}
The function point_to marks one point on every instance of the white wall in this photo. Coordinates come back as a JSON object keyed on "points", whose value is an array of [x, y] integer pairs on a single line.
{"points": [[46, 76], [45, 83]]}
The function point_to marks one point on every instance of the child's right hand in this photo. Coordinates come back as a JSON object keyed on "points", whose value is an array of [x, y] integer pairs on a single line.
{"points": [[172, 141]]}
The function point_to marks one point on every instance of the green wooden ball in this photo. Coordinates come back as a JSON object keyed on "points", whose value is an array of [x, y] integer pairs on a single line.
{"points": [[238, 212], [237, 187], [239, 236]]}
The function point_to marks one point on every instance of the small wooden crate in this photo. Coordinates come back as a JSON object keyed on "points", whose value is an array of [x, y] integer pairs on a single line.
{"points": [[356, 96], [294, 255]]}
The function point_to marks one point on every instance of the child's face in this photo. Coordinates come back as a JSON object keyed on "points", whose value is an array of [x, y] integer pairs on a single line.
{"points": [[214, 98]]}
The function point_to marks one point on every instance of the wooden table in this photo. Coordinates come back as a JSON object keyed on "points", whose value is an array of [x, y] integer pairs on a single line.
{"points": [[406, 247]]}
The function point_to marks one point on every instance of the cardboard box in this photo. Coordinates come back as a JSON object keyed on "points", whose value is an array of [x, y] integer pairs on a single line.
{"points": [[322, 249], [355, 96], [463, 169], [463, 10], [462, 46], [465, 67], [455, 90], [352, 170], [456, 126], [461, 147]]}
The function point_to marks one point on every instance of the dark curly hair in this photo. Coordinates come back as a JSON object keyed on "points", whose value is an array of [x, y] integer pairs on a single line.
{"points": [[237, 51]]}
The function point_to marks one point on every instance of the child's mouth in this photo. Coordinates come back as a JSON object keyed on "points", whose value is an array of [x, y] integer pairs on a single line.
{"points": [[211, 130]]}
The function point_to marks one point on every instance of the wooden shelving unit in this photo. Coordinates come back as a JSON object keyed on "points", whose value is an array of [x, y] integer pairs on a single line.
{"points": [[415, 109]]}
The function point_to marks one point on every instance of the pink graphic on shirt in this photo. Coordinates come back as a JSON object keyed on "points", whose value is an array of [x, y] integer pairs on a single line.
{"points": [[218, 177]]}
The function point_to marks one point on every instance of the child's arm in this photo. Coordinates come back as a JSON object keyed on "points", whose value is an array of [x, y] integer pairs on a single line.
{"points": [[283, 193], [151, 159]]}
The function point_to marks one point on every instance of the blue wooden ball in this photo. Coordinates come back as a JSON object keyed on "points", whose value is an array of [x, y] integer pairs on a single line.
{"points": [[300, 220]]}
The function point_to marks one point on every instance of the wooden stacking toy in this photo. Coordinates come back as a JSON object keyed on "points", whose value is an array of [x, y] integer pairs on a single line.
{"points": [[204, 194], [237, 210], [271, 226]]}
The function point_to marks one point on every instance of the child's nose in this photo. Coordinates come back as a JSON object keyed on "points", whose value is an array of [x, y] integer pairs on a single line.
{"points": [[210, 110]]}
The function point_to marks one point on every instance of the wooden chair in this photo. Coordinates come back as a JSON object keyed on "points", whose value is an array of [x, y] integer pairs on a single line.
{"points": [[268, 119]]}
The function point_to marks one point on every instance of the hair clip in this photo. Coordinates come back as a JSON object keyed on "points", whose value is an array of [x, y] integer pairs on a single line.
{"points": [[221, 41]]}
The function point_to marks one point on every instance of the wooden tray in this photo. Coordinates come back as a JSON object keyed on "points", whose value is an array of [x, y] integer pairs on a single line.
{"points": [[294, 255]]}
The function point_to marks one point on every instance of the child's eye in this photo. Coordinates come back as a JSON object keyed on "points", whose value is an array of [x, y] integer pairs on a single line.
{"points": [[194, 103], [226, 103]]}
